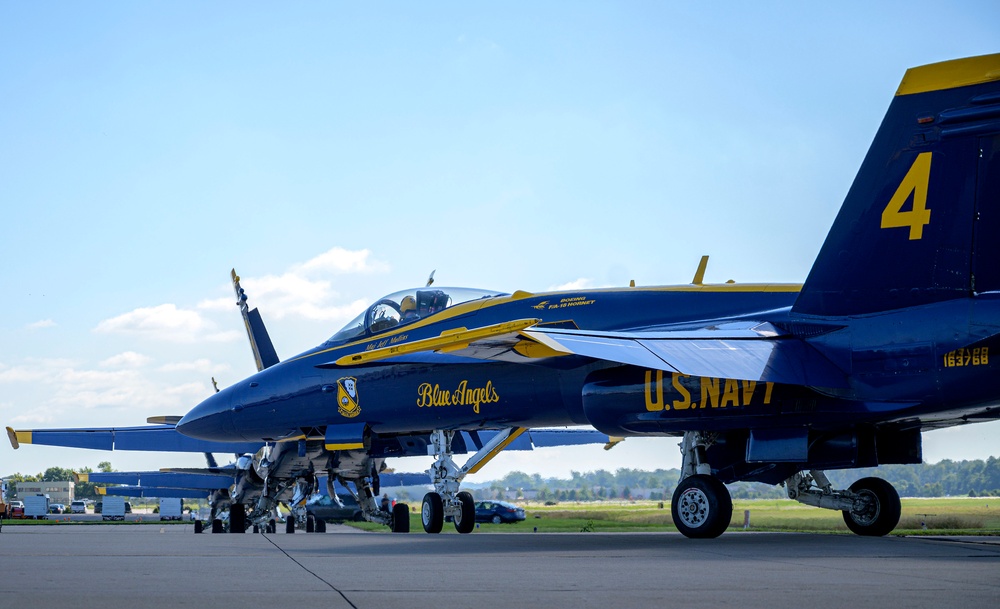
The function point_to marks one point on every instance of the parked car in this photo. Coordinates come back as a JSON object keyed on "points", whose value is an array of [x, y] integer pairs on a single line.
{"points": [[57, 508], [97, 507], [498, 511], [17, 509], [323, 507], [78, 507]]}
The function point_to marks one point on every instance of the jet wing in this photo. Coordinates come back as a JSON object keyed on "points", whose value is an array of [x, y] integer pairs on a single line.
{"points": [[755, 353], [168, 479], [155, 492], [160, 438]]}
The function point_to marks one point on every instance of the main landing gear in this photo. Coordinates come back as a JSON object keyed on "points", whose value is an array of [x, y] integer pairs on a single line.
{"points": [[870, 506], [446, 500], [701, 506]]}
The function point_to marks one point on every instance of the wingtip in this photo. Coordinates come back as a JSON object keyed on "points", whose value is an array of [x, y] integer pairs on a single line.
{"points": [[613, 441], [12, 436]]}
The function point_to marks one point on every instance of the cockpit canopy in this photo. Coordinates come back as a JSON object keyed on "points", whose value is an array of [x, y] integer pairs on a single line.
{"points": [[404, 307]]}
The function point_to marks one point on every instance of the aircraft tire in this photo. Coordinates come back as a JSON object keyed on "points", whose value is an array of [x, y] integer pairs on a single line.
{"points": [[310, 524], [882, 514], [198, 526], [701, 507], [290, 524], [217, 526], [432, 513], [465, 521], [272, 526], [320, 525], [237, 518], [400, 518]]}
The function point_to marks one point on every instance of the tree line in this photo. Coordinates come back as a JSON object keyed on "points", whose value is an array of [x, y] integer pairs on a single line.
{"points": [[976, 478]]}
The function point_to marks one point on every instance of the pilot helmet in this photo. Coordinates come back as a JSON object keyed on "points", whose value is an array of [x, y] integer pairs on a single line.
{"points": [[407, 305]]}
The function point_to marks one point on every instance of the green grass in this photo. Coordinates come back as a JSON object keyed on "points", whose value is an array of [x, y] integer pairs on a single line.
{"points": [[942, 516]]}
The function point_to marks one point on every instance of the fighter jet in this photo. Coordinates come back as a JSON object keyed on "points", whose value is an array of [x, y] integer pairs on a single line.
{"points": [[889, 336]]}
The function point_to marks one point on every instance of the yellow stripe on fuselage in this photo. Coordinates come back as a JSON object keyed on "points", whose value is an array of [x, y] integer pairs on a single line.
{"points": [[475, 305], [346, 446], [950, 74]]}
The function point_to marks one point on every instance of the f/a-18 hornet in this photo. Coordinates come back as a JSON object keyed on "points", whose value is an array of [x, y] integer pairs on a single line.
{"points": [[890, 335]]}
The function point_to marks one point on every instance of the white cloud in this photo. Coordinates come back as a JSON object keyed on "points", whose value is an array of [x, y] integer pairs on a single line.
{"points": [[44, 323], [217, 304], [582, 283], [165, 322], [303, 291], [128, 359], [340, 261]]}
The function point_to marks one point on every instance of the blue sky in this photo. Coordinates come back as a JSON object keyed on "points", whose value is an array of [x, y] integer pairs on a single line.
{"points": [[335, 152]]}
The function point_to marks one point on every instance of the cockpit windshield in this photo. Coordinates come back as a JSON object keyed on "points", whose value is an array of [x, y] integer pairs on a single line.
{"points": [[406, 307]]}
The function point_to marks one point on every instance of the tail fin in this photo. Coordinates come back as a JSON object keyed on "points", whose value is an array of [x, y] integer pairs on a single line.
{"points": [[260, 342], [921, 223]]}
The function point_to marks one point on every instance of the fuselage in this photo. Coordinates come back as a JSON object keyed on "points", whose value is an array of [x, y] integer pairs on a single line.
{"points": [[916, 367], [426, 390]]}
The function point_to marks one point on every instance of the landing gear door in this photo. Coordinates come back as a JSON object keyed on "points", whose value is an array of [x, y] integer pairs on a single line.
{"points": [[986, 235]]}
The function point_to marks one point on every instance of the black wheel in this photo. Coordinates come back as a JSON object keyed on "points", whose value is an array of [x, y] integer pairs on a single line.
{"points": [[217, 526], [237, 518], [310, 524], [272, 526], [320, 525], [465, 520], [400, 518], [497, 519], [198, 526], [876, 510], [290, 524], [701, 507], [256, 528], [432, 513]]}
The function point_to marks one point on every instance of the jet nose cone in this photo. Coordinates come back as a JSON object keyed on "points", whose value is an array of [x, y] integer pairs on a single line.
{"points": [[210, 420]]}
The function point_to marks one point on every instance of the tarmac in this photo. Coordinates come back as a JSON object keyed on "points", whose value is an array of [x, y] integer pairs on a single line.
{"points": [[154, 566]]}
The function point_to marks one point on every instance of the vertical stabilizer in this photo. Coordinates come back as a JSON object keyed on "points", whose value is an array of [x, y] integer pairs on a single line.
{"points": [[260, 342], [921, 223]]}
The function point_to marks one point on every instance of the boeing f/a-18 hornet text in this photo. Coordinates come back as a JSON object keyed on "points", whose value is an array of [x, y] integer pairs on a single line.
{"points": [[895, 331]]}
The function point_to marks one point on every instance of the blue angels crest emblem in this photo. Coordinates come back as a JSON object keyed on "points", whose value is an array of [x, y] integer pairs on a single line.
{"points": [[347, 397]]}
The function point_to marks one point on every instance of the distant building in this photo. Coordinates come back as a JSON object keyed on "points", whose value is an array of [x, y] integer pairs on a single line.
{"points": [[58, 492]]}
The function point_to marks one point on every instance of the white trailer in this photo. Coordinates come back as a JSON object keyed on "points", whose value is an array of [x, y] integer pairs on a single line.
{"points": [[113, 508], [170, 508], [36, 506]]}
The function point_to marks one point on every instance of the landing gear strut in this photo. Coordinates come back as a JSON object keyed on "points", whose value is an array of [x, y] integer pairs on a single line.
{"points": [[870, 506], [446, 500], [701, 506]]}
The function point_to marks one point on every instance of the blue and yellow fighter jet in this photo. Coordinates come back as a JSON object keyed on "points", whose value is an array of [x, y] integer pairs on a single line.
{"points": [[890, 335]]}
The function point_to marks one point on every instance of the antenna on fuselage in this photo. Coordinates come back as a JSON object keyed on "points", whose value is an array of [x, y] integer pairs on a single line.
{"points": [[699, 275], [430, 279]]}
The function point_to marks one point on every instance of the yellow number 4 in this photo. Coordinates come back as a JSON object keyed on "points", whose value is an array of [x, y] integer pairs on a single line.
{"points": [[915, 181]]}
